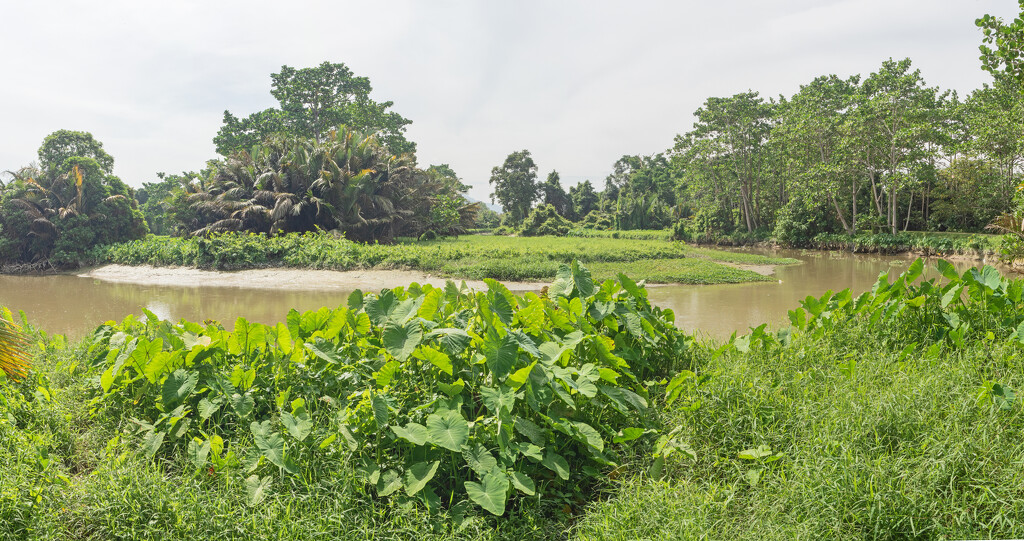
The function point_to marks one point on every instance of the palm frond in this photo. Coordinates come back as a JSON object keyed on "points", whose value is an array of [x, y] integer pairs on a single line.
{"points": [[14, 360]]}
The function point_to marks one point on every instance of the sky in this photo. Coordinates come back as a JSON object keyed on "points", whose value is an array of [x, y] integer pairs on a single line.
{"points": [[577, 83]]}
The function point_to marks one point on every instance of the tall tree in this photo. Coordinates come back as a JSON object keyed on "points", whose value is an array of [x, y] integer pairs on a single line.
{"points": [[553, 194], [515, 185], [53, 214], [729, 138], [313, 102], [812, 128], [897, 109], [584, 199]]}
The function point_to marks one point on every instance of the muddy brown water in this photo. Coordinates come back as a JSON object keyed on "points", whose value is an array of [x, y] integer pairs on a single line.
{"points": [[74, 305]]}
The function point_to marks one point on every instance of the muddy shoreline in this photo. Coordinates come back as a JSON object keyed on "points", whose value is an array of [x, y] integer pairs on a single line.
{"points": [[280, 278]]}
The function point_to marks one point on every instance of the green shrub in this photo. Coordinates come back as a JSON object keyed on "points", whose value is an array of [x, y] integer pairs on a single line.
{"points": [[439, 395], [596, 219], [545, 221]]}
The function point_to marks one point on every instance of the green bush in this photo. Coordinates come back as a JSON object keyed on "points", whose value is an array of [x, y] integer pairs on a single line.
{"points": [[439, 395], [545, 221], [596, 219]]}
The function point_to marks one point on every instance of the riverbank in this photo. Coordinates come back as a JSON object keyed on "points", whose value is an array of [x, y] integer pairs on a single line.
{"points": [[922, 243], [509, 259], [279, 278]]}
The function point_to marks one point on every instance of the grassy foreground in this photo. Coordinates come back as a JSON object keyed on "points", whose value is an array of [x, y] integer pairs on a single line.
{"points": [[888, 416], [649, 256]]}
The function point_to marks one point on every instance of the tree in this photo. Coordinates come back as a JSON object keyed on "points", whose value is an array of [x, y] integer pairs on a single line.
{"points": [[553, 194], [53, 214], [63, 144], [584, 199], [515, 185], [725, 155], [812, 129], [313, 102], [1007, 58], [995, 130], [897, 109]]}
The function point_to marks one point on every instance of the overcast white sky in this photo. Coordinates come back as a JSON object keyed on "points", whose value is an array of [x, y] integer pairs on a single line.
{"points": [[578, 83]]}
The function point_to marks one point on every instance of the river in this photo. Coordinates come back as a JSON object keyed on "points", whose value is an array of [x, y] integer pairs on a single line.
{"points": [[75, 305]]}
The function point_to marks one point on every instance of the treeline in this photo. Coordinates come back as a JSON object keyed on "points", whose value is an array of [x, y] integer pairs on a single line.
{"points": [[882, 153], [328, 159]]}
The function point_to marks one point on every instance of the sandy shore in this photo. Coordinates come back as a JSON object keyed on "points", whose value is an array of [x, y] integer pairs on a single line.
{"points": [[280, 278]]}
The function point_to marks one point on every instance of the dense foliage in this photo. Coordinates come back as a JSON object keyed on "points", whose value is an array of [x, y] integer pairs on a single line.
{"points": [[313, 102], [440, 394], [52, 213], [348, 183]]}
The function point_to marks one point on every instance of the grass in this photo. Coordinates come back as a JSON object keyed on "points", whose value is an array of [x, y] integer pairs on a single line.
{"points": [[468, 257], [860, 432]]}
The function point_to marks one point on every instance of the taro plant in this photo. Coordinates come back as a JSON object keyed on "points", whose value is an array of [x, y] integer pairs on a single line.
{"points": [[933, 313], [447, 396]]}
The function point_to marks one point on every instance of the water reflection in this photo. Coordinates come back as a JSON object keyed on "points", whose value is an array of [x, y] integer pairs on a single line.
{"points": [[75, 306]]}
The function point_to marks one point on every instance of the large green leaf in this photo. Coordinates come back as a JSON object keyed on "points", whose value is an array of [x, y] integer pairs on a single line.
{"points": [[256, 489], [269, 442], [413, 432], [448, 429], [556, 463], [436, 358], [401, 340], [298, 424], [386, 373], [160, 364], [198, 452], [581, 277], [381, 411], [151, 443], [417, 476], [523, 483], [502, 359], [490, 494], [563, 285], [480, 460], [453, 341], [178, 385]]}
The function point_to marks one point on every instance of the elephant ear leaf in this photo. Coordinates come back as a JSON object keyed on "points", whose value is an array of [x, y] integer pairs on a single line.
{"points": [[448, 429], [417, 477], [401, 340], [177, 387], [490, 494]]}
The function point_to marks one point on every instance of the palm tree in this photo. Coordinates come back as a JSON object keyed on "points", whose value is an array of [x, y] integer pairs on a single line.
{"points": [[14, 360]]}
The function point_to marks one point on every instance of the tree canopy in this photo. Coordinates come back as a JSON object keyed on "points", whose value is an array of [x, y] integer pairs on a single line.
{"points": [[312, 102], [52, 214], [515, 185], [1007, 57]]}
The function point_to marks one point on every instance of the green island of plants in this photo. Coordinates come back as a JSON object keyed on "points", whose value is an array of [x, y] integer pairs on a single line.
{"points": [[649, 255], [444, 413]]}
